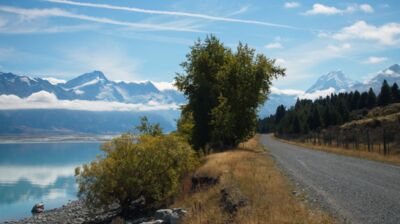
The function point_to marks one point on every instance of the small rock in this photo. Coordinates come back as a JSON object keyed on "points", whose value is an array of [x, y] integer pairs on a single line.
{"points": [[159, 221], [170, 216], [38, 208]]}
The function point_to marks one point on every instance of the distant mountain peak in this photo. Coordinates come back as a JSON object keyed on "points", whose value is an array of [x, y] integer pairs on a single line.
{"points": [[335, 74], [334, 79], [395, 67], [93, 75], [86, 79], [392, 71]]}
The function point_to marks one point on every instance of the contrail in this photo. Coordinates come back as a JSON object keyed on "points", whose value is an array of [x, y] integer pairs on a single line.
{"points": [[54, 12], [174, 13]]}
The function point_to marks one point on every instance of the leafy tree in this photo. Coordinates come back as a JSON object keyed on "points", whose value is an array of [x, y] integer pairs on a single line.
{"points": [[385, 96], [149, 129], [224, 90], [133, 167], [185, 124], [395, 93], [223, 133]]}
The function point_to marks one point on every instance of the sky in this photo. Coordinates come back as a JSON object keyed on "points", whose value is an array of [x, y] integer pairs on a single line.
{"points": [[147, 40]]}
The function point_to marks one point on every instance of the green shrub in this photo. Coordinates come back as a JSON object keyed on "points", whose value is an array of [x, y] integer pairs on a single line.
{"points": [[133, 167]]}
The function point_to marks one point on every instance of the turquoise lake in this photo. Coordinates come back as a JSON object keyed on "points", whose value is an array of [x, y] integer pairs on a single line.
{"points": [[39, 172]]}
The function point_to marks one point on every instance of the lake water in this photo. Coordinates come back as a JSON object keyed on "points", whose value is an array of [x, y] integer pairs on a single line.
{"points": [[39, 172]]}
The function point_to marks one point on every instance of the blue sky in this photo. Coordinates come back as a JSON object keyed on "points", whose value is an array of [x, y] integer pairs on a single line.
{"points": [[147, 40]]}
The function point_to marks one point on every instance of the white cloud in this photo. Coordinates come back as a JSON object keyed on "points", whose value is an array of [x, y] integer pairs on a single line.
{"points": [[54, 81], [45, 100], [55, 194], [320, 9], [280, 61], [290, 5], [317, 94], [366, 8], [293, 92], [164, 85], [338, 48], [388, 34], [374, 60], [302, 94], [37, 175], [323, 9], [55, 12], [171, 13], [275, 45]]}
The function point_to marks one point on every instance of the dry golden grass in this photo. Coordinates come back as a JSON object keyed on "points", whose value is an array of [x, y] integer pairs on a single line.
{"points": [[251, 170], [393, 159]]}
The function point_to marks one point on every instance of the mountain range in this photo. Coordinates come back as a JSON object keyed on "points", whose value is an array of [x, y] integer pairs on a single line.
{"points": [[334, 81], [95, 87]]}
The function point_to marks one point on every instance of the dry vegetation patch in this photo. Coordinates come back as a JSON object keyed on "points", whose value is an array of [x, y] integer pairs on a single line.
{"points": [[250, 180], [375, 156]]}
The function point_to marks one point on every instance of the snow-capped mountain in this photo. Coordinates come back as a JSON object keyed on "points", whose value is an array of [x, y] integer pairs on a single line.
{"points": [[390, 74], [91, 86], [334, 79], [24, 86]]}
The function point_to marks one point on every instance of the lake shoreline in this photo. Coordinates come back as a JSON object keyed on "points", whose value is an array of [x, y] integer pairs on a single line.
{"points": [[72, 212], [30, 139]]}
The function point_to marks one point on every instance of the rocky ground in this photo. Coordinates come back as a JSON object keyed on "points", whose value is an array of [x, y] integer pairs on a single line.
{"points": [[76, 212]]}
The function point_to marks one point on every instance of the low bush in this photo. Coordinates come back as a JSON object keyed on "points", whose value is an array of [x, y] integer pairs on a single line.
{"points": [[146, 166]]}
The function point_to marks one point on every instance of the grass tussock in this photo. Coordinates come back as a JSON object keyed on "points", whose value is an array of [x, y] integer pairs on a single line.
{"points": [[251, 171], [375, 156]]}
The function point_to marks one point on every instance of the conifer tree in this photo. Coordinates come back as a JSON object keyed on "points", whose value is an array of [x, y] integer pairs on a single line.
{"points": [[395, 93], [371, 98], [385, 96], [363, 103]]}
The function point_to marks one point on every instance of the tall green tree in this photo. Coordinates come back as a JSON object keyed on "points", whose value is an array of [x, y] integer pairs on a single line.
{"points": [[355, 100], [371, 98], [224, 89], [280, 113], [363, 103], [385, 96], [395, 93], [314, 120], [203, 63]]}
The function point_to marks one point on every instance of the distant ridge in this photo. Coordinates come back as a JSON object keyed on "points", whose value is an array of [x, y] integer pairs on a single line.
{"points": [[89, 86]]}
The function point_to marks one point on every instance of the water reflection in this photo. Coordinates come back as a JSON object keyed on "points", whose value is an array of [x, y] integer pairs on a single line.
{"points": [[31, 173]]}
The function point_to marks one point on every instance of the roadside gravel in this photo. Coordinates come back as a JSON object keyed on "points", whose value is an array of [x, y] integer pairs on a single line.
{"points": [[352, 189]]}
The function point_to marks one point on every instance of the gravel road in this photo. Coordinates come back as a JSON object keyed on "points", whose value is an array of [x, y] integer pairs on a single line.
{"points": [[356, 190]]}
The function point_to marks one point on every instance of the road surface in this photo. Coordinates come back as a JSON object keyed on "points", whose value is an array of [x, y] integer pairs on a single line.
{"points": [[356, 190]]}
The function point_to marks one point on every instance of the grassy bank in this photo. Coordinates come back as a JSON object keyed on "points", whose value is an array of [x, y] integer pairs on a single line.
{"points": [[375, 156], [249, 175]]}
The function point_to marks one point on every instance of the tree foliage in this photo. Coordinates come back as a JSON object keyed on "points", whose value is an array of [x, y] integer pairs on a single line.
{"points": [[149, 129], [336, 109], [385, 97], [224, 89], [148, 166]]}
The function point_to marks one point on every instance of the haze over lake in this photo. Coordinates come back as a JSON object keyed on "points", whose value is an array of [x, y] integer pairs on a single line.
{"points": [[40, 172]]}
